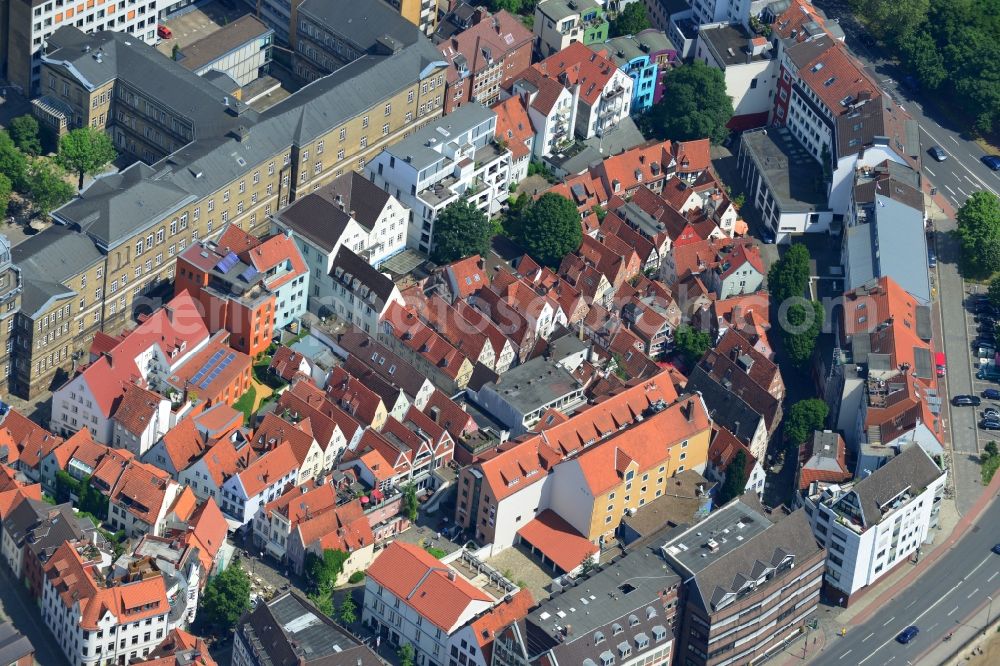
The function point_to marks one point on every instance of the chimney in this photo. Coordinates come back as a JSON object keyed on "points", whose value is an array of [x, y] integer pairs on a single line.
{"points": [[688, 411], [451, 575]]}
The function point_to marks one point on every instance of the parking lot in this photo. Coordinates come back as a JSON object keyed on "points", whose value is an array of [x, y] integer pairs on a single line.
{"points": [[198, 23], [981, 363]]}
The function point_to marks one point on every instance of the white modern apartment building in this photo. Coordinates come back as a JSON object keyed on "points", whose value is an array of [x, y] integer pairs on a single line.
{"points": [[452, 157], [750, 67], [263, 481], [31, 22], [878, 522]]}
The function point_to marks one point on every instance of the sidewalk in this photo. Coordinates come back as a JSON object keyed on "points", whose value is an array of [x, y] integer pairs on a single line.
{"points": [[832, 619]]}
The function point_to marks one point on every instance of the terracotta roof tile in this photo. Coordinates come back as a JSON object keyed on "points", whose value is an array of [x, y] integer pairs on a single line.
{"points": [[514, 126], [417, 577], [137, 408], [489, 624], [591, 70], [268, 468], [557, 540], [142, 490], [33, 442], [468, 275]]}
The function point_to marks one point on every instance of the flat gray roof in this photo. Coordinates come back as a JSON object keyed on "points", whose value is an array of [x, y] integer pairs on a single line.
{"points": [[560, 9], [417, 150], [900, 246], [794, 177], [223, 41], [535, 383], [730, 44]]}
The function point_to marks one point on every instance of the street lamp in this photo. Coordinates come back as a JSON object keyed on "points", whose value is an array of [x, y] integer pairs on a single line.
{"points": [[989, 613]]}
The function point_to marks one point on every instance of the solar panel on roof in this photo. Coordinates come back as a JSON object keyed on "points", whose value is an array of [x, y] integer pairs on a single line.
{"points": [[227, 262], [249, 274]]}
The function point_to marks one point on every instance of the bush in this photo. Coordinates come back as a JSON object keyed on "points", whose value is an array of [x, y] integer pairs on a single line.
{"points": [[356, 577]]}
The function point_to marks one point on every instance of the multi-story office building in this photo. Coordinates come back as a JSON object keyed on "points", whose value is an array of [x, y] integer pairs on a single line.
{"points": [[121, 235], [241, 50], [877, 523], [440, 163], [751, 578], [30, 24]]}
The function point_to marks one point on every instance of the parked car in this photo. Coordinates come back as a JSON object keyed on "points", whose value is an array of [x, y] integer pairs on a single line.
{"points": [[991, 414], [908, 634], [931, 259], [766, 235], [988, 424], [937, 152], [996, 549], [163, 32], [966, 401], [992, 161], [991, 394], [939, 361]]}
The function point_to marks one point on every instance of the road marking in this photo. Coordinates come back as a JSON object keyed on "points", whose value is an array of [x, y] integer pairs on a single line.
{"points": [[845, 654], [889, 620], [963, 192], [952, 611], [972, 593], [955, 140], [985, 560], [911, 603], [930, 172], [970, 181], [950, 190], [867, 637], [990, 579], [981, 181]]}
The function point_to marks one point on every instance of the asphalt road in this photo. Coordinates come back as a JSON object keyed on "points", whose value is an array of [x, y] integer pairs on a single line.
{"points": [[955, 586], [17, 606]]}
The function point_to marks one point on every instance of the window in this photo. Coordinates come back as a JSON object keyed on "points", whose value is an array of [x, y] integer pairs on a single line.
{"points": [[388, 108], [364, 121]]}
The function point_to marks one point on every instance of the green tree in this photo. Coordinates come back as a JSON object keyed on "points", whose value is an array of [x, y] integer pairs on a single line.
{"points": [[24, 132], [802, 419], [175, 52], [321, 572], [789, 276], [802, 330], [225, 599], [691, 343], [891, 19], [979, 234], [46, 187], [735, 483], [348, 610], [405, 654], [92, 500], [549, 229], [13, 164], [86, 150], [5, 189], [411, 505], [630, 21], [323, 600], [696, 106], [991, 449], [461, 230]]}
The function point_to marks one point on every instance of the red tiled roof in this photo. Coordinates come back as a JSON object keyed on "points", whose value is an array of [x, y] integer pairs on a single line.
{"points": [[834, 75], [274, 430], [669, 426], [492, 39], [549, 90], [445, 411], [824, 465], [223, 460], [272, 252], [638, 166], [693, 156], [240, 364], [142, 489], [514, 126], [179, 648], [137, 408], [346, 392], [417, 577], [176, 328], [421, 339], [286, 362], [724, 447], [343, 528], [590, 69], [489, 624], [209, 527], [557, 540], [33, 442], [469, 275], [267, 469]]}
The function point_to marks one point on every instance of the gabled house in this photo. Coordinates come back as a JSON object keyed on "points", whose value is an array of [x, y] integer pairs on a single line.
{"points": [[445, 364], [142, 499], [261, 481], [721, 454], [345, 528], [274, 430]]}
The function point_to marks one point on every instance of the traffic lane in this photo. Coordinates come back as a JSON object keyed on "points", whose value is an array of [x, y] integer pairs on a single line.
{"points": [[967, 565], [942, 616]]}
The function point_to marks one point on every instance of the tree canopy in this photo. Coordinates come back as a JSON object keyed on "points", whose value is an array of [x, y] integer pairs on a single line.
{"points": [[5, 189], [24, 132], [225, 599], [789, 276], [348, 611], [411, 506], [802, 326], [951, 46], [979, 234], [461, 230], [696, 107], [692, 343], [86, 150], [321, 572], [13, 164], [549, 228], [802, 419], [630, 21], [46, 186], [735, 483]]}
